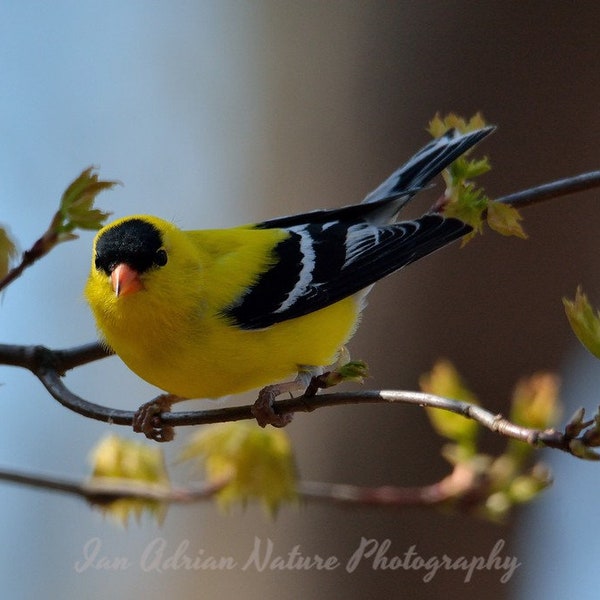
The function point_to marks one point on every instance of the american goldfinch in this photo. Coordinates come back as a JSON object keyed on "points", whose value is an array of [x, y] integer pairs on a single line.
{"points": [[209, 313]]}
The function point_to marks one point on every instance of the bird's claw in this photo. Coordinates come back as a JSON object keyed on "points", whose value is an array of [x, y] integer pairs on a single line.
{"points": [[147, 419], [263, 410]]}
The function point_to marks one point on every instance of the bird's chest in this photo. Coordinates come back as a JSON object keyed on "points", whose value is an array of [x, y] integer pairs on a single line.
{"points": [[148, 336]]}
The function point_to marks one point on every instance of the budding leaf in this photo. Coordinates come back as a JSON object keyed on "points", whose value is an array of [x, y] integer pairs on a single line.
{"points": [[584, 321], [462, 199], [580, 450], [439, 125], [258, 463], [467, 203], [504, 219], [444, 380], [77, 204], [354, 370], [8, 252], [136, 466], [535, 405], [535, 402]]}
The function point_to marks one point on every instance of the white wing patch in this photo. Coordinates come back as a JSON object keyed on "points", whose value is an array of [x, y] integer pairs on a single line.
{"points": [[305, 278], [360, 238]]}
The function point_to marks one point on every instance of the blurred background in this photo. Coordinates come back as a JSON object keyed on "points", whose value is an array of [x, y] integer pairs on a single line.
{"points": [[216, 113]]}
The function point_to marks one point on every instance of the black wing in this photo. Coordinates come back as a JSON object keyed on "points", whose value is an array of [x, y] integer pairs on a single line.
{"points": [[332, 254], [320, 264]]}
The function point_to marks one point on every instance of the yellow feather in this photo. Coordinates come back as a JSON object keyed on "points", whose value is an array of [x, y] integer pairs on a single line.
{"points": [[172, 334], [179, 306]]}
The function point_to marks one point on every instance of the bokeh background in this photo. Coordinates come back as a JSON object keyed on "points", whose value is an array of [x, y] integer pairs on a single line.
{"points": [[217, 113]]}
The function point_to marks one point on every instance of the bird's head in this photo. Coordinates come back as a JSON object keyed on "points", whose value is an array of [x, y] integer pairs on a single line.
{"points": [[128, 252]]}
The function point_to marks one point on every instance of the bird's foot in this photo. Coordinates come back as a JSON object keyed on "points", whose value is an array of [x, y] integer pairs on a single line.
{"points": [[263, 409], [308, 382], [147, 418]]}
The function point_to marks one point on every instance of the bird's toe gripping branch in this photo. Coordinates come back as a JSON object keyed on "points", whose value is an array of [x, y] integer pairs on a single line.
{"points": [[308, 382], [263, 409], [147, 418]]}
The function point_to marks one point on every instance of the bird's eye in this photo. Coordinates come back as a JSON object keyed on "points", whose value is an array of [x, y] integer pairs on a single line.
{"points": [[160, 258]]}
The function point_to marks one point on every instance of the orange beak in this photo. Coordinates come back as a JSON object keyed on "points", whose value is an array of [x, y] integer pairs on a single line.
{"points": [[125, 280]]}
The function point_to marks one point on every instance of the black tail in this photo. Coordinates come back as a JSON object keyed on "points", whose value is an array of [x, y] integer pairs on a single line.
{"points": [[427, 163]]}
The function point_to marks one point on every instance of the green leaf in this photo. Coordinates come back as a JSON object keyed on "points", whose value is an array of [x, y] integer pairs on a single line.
{"points": [[77, 204], [465, 201], [535, 402], [476, 168], [354, 370], [439, 125], [504, 219], [258, 463], [444, 380], [119, 461], [535, 405], [468, 204], [462, 199], [584, 321]]}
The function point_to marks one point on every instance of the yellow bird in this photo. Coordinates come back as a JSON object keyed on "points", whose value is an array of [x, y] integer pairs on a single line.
{"points": [[208, 313]]}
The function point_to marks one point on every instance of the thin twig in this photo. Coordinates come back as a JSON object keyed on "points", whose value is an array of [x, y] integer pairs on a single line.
{"points": [[106, 490], [39, 249], [388, 495], [75, 212], [551, 438], [554, 189], [103, 491]]}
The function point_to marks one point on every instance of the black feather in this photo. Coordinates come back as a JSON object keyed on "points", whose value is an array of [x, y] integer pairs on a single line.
{"points": [[332, 254], [398, 245], [134, 242]]}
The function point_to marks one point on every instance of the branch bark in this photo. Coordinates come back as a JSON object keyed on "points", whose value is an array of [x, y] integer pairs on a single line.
{"points": [[39, 361]]}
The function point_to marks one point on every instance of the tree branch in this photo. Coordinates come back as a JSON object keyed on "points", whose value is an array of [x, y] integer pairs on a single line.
{"points": [[49, 365], [577, 442], [103, 491], [433, 494], [466, 488], [555, 189], [39, 249], [37, 357]]}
